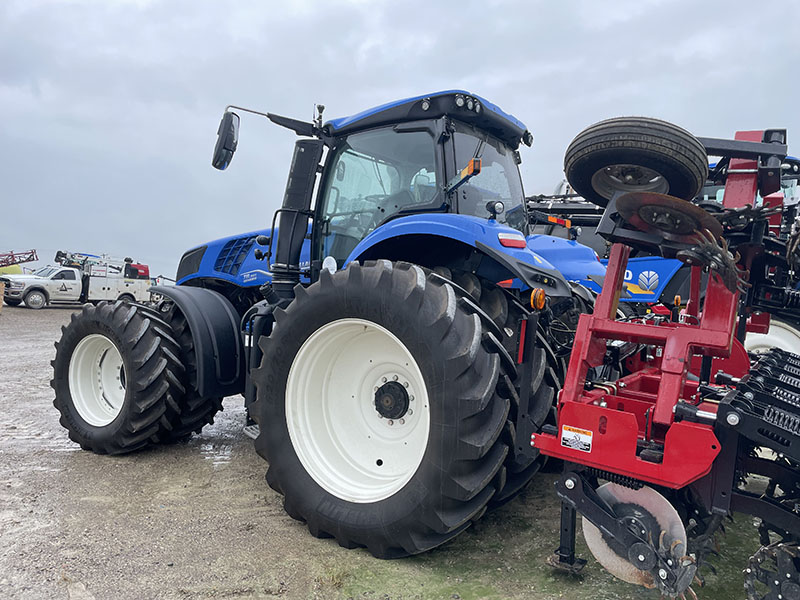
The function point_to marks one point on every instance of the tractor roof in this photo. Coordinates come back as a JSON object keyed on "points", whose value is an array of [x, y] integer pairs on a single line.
{"points": [[458, 104]]}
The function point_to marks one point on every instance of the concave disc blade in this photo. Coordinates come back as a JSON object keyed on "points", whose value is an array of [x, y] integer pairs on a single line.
{"points": [[648, 501], [674, 219]]}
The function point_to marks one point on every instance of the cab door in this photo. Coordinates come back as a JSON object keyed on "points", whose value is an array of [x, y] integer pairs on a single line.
{"points": [[65, 287]]}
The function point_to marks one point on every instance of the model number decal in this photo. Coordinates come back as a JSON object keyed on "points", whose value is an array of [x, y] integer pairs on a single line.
{"points": [[576, 439]]}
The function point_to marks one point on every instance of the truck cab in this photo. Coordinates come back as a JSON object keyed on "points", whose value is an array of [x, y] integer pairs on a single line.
{"points": [[48, 284], [75, 282]]}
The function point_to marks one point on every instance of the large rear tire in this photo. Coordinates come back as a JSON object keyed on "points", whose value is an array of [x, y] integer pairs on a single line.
{"points": [[116, 375], [381, 414], [522, 462], [635, 154]]}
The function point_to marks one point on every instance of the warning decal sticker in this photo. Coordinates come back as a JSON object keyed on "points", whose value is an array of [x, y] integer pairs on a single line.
{"points": [[576, 439]]}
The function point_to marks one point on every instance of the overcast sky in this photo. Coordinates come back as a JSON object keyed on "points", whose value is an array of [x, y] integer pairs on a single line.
{"points": [[110, 108]]}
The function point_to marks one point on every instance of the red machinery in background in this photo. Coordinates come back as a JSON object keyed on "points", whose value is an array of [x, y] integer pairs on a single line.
{"points": [[669, 440], [14, 258]]}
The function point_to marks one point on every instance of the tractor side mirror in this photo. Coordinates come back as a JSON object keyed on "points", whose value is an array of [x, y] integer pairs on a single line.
{"points": [[227, 139]]}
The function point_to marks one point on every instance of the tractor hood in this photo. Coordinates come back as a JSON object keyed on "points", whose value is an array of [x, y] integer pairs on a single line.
{"points": [[229, 259]]}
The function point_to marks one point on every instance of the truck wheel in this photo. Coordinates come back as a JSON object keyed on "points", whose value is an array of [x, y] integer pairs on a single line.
{"points": [[381, 415], [635, 154], [195, 411], [126, 298], [116, 374], [35, 299], [12, 302]]}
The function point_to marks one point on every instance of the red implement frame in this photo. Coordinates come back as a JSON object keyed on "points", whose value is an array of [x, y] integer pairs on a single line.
{"points": [[615, 426], [15, 258]]}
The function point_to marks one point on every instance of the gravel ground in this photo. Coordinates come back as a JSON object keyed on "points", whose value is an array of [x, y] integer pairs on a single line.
{"points": [[197, 519]]}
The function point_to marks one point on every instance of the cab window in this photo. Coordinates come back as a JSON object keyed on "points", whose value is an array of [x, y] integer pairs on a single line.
{"points": [[372, 176], [65, 275], [499, 178]]}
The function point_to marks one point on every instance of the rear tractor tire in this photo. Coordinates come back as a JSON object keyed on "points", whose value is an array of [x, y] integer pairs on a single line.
{"points": [[116, 376], [521, 464], [635, 154], [382, 409]]}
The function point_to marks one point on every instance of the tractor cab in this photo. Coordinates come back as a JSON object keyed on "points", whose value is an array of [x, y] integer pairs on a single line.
{"points": [[447, 152]]}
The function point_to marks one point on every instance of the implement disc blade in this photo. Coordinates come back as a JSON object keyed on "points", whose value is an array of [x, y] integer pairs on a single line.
{"points": [[650, 503], [674, 219]]}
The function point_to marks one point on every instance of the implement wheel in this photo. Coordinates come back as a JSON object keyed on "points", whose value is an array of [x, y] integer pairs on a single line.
{"points": [[381, 415], [116, 374], [635, 154]]}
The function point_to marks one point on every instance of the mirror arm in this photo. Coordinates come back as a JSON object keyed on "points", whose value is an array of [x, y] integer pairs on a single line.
{"points": [[299, 127]]}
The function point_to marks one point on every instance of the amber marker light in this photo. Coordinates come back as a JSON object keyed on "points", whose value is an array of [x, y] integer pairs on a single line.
{"points": [[538, 298]]}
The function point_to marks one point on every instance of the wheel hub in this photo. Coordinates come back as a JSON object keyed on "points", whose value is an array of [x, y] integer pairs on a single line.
{"points": [[668, 220], [391, 400]]}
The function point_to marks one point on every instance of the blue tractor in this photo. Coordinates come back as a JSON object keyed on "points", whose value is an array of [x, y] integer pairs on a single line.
{"points": [[398, 334]]}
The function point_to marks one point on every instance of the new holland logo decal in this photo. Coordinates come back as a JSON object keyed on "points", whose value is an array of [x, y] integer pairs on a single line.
{"points": [[648, 280]]}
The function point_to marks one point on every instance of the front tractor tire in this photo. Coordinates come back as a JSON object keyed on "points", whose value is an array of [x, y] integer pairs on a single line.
{"points": [[196, 411], [116, 375], [381, 414]]}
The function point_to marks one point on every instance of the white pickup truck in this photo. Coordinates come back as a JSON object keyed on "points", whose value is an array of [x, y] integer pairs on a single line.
{"points": [[70, 285]]}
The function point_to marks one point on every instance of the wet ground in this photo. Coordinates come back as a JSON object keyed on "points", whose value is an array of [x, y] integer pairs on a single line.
{"points": [[197, 520]]}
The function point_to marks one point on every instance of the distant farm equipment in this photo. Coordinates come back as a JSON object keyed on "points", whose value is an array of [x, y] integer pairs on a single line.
{"points": [[16, 258]]}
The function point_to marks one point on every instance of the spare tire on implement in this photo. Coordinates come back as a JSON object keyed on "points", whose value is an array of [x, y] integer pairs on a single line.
{"points": [[635, 154]]}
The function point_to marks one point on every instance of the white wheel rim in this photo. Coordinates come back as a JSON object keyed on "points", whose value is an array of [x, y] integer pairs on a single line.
{"points": [[780, 335], [97, 380], [341, 439]]}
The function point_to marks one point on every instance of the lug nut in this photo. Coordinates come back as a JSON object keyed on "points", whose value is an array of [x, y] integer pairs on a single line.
{"points": [[395, 377], [662, 573], [390, 422], [405, 384], [383, 379], [402, 421], [410, 412]]}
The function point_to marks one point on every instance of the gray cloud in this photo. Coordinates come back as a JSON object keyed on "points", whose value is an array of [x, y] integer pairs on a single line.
{"points": [[110, 108]]}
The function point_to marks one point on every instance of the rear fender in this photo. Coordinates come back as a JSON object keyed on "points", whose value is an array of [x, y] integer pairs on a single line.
{"points": [[436, 238], [214, 324]]}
